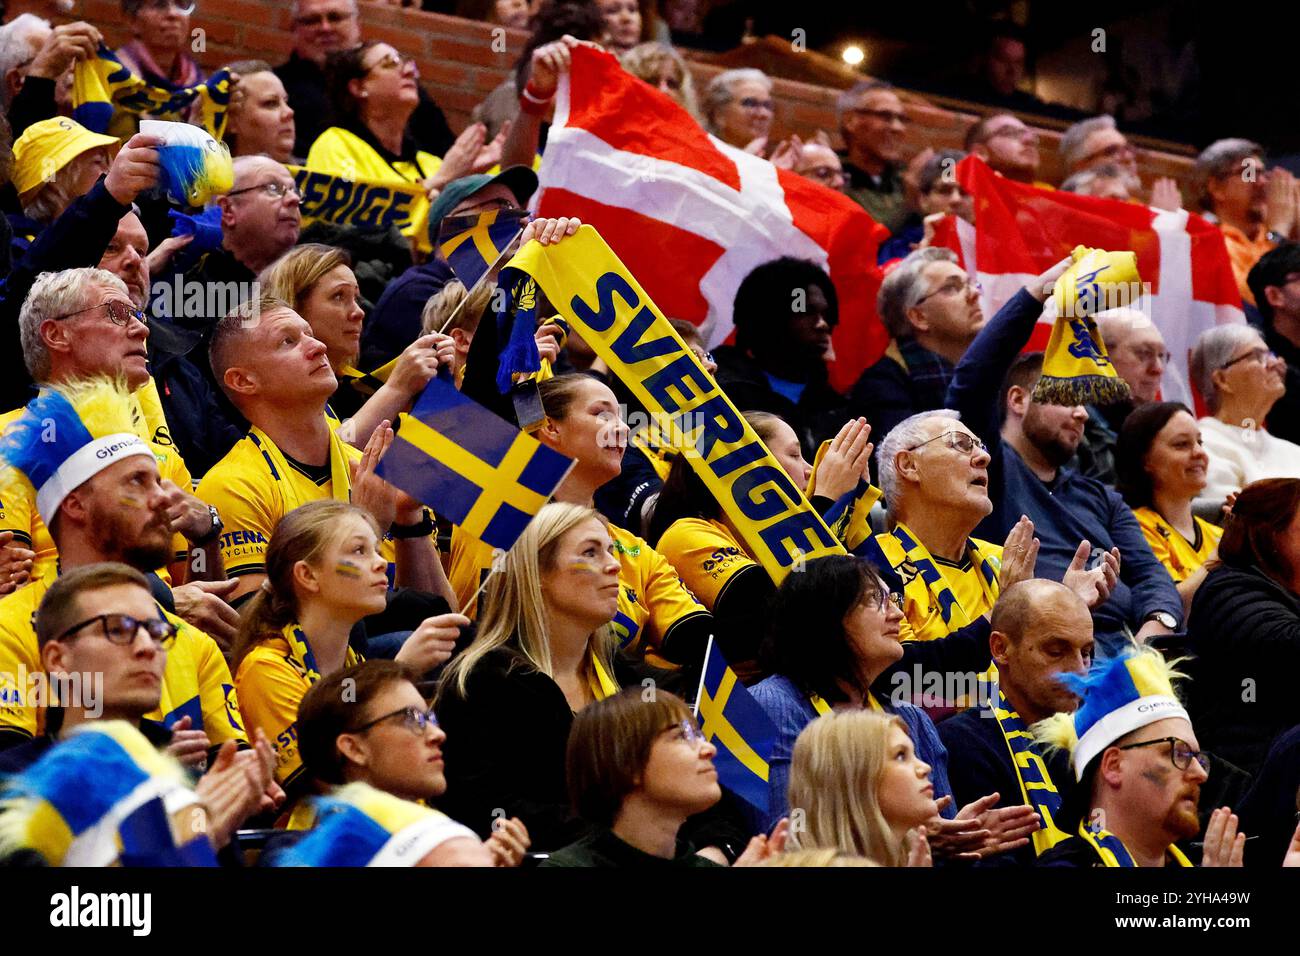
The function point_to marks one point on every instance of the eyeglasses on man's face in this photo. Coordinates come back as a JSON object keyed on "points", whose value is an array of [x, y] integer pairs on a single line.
{"points": [[1181, 753], [885, 116], [183, 7], [332, 17], [958, 441], [1025, 133], [275, 189], [753, 103], [119, 313], [121, 629], [414, 719], [1147, 355], [956, 285]]}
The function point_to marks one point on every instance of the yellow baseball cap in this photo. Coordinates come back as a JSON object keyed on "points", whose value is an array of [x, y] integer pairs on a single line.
{"points": [[48, 146]]}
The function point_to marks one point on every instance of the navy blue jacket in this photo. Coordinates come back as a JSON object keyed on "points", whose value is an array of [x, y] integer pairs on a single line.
{"points": [[1066, 510], [395, 322]]}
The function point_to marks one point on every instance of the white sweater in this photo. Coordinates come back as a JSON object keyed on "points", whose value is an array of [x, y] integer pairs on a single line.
{"points": [[1239, 456]]}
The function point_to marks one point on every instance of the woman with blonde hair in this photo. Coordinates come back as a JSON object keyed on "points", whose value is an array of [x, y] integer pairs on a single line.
{"points": [[317, 280], [857, 786], [657, 618], [663, 68], [324, 574], [544, 651]]}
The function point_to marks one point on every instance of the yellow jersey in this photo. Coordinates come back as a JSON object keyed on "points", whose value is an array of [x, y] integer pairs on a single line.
{"points": [[255, 485], [271, 680], [1179, 556], [340, 152], [652, 599], [196, 680], [707, 554]]}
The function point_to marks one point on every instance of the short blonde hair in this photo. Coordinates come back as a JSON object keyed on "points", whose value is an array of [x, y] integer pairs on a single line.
{"points": [[835, 773], [293, 276], [448, 299], [646, 60]]}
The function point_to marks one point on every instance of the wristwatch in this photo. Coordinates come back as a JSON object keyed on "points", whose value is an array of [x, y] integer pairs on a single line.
{"points": [[421, 529], [1165, 618], [213, 533]]}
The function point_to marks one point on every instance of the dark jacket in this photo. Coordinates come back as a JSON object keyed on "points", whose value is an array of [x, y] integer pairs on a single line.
{"points": [[1066, 510], [817, 416], [1244, 629], [77, 239], [892, 390], [505, 748], [1268, 810], [602, 848], [979, 763], [395, 322], [1284, 417]]}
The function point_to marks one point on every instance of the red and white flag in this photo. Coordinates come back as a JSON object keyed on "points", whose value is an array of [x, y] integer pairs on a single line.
{"points": [[1021, 230], [691, 216]]}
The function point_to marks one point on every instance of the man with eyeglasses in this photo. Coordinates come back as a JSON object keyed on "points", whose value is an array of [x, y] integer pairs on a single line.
{"points": [[1039, 630], [395, 322], [1275, 283], [874, 127], [98, 627], [77, 325], [931, 309], [1096, 141], [1140, 773], [322, 27], [1028, 474], [1138, 353], [99, 493], [1007, 145]]}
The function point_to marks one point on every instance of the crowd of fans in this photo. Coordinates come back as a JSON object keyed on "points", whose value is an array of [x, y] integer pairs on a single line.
{"points": [[192, 510]]}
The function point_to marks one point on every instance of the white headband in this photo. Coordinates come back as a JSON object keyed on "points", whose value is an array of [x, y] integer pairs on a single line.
{"points": [[1125, 720], [411, 844], [82, 465]]}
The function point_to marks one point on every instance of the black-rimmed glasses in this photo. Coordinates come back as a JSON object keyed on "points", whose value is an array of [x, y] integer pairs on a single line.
{"points": [[413, 719], [1263, 355], [1181, 753], [121, 629]]}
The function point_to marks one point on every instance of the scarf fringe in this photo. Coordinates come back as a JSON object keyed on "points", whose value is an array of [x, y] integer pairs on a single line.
{"points": [[1081, 390]]}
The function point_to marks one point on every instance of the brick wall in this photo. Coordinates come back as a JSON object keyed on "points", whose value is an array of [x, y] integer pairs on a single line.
{"points": [[461, 61]]}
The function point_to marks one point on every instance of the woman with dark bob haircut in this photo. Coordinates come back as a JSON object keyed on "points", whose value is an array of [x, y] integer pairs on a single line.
{"points": [[638, 768], [1161, 465], [1244, 627], [833, 631]]}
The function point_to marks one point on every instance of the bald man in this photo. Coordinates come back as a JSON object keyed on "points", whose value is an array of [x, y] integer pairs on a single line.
{"points": [[1040, 629], [1138, 352]]}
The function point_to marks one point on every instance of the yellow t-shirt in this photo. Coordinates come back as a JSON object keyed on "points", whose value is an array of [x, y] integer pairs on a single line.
{"points": [[252, 494], [707, 555], [976, 598], [272, 682], [1179, 556], [652, 598], [196, 681], [342, 153]]}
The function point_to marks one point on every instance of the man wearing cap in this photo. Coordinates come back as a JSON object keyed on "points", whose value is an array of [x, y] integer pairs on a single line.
{"points": [[80, 233], [1139, 771], [395, 322], [1039, 630], [98, 490]]}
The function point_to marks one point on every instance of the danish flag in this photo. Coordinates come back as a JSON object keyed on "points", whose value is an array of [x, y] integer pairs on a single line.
{"points": [[691, 216], [1020, 231]]}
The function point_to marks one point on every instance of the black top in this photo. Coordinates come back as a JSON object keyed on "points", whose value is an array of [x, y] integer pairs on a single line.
{"points": [[1284, 417], [1268, 811], [603, 848], [1244, 629]]}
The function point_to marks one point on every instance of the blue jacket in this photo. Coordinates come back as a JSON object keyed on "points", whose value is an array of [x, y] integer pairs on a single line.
{"points": [[791, 711], [1066, 510]]}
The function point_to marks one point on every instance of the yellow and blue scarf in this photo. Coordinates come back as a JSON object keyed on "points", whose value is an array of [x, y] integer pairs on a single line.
{"points": [[1036, 787], [923, 582], [823, 708], [104, 795], [302, 657], [102, 84], [848, 516], [1113, 852]]}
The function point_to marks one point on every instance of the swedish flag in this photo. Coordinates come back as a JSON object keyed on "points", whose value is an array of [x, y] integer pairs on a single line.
{"points": [[472, 244], [471, 466], [734, 723]]}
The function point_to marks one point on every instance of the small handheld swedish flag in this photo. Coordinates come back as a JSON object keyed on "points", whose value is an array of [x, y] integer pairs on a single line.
{"points": [[472, 244], [471, 466], [735, 723]]}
